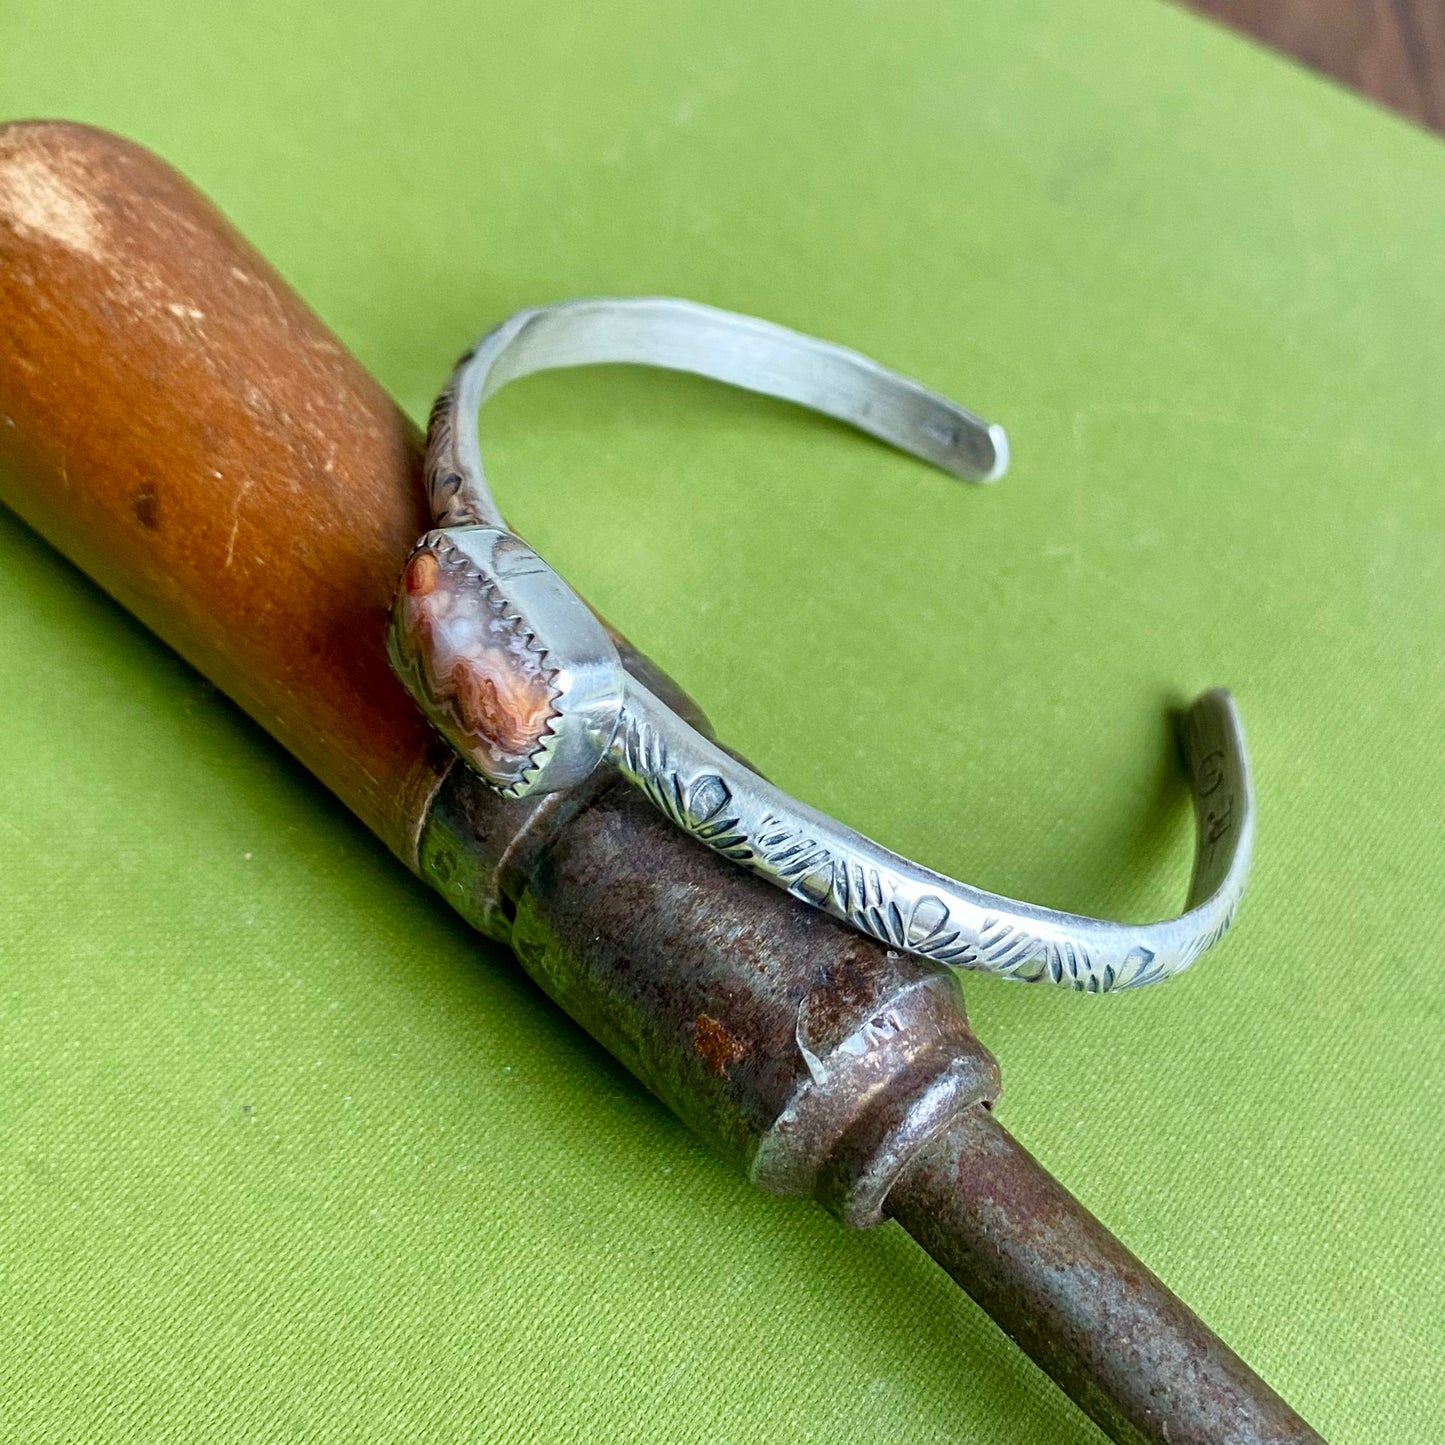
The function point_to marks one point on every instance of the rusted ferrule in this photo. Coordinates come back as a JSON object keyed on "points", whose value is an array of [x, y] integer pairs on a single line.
{"points": [[820, 1061], [878, 1096]]}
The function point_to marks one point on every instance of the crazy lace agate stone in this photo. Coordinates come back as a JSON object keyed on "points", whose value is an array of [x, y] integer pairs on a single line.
{"points": [[485, 679]]}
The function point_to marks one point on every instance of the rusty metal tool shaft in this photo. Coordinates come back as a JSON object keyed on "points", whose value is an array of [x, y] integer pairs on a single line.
{"points": [[1130, 1353], [179, 424]]}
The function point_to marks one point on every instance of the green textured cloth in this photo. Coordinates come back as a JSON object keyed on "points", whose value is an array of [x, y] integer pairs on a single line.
{"points": [[286, 1154]]}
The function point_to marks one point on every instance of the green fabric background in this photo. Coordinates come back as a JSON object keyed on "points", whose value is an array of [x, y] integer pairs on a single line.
{"points": [[286, 1154]]}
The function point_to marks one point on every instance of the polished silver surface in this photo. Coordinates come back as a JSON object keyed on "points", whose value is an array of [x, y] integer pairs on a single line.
{"points": [[704, 790]]}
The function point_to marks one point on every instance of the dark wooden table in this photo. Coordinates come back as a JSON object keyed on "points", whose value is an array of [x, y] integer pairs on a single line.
{"points": [[1393, 50]]}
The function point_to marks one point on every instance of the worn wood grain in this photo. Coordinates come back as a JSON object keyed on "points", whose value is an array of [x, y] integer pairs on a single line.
{"points": [[1391, 50], [177, 422]]}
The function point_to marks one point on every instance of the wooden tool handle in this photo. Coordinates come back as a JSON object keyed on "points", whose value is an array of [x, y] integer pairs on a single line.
{"points": [[177, 422]]}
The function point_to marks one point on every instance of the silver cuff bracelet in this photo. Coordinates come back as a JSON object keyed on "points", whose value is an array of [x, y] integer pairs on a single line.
{"points": [[526, 684]]}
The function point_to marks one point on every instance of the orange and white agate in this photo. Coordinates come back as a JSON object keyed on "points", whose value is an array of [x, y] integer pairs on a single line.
{"points": [[485, 681]]}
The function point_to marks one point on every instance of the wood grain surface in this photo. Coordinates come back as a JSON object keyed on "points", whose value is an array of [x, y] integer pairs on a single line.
{"points": [[177, 422], [1391, 50]]}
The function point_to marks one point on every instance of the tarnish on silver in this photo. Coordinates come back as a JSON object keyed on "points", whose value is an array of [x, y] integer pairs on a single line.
{"points": [[707, 792]]}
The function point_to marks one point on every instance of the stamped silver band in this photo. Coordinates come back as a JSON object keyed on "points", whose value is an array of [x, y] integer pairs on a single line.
{"points": [[516, 672]]}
